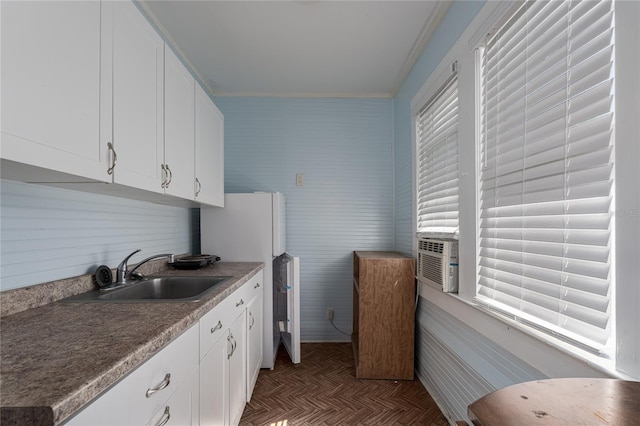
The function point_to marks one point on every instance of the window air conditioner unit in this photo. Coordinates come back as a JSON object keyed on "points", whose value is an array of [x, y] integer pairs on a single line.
{"points": [[438, 264]]}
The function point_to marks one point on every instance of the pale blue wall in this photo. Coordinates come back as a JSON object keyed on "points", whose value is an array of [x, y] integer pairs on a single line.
{"points": [[343, 147], [49, 233]]}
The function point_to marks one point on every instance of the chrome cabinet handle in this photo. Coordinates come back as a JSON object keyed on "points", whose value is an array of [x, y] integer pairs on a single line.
{"points": [[217, 327], [114, 158], [165, 417], [164, 176], [241, 302], [199, 187], [257, 285], [253, 320], [233, 343], [170, 176], [165, 382]]}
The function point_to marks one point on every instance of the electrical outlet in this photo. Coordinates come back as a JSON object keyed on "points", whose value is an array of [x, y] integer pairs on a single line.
{"points": [[329, 313]]}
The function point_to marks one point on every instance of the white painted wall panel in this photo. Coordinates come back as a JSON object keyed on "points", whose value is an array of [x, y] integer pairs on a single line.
{"points": [[458, 365], [343, 148], [50, 233]]}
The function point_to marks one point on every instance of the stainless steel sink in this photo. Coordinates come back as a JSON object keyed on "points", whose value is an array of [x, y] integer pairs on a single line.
{"points": [[155, 289]]}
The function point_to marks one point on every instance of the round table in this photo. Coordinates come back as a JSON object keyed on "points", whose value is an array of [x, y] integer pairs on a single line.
{"points": [[568, 401]]}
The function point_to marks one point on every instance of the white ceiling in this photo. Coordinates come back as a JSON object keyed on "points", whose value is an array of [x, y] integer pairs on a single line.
{"points": [[299, 48]]}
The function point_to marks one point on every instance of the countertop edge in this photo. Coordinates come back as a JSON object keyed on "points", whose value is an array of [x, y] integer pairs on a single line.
{"points": [[32, 416]]}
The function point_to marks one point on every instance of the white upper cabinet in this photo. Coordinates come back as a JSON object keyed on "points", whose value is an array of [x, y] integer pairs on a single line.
{"points": [[138, 69], [51, 68], [178, 127], [91, 93], [209, 151]]}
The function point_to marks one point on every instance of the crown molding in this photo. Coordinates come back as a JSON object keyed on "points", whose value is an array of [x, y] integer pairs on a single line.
{"points": [[303, 95], [421, 42]]}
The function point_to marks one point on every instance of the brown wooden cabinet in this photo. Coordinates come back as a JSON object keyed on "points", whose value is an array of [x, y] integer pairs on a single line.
{"points": [[383, 315]]}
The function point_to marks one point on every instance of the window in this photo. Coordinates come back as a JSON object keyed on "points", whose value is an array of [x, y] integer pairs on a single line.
{"points": [[437, 140], [546, 171]]}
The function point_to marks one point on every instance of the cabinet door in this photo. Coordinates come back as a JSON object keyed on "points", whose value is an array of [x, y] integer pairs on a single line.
{"points": [[51, 65], [138, 67], [254, 341], [157, 379], [209, 151], [182, 408], [214, 384], [237, 369], [127, 403], [178, 127], [110, 409]]}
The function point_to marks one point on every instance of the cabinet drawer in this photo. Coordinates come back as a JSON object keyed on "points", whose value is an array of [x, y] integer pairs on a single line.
{"points": [[238, 301], [254, 286], [216, 321], [182, 408], [126, 402], [158, 378], [245, 294], [214, 324], [241, 297]]}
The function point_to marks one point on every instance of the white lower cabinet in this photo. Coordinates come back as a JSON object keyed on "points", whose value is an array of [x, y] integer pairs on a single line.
{"points": [[165, 377], [237, 368], [182, 409], [225, 342], [214, 384], [254, 337], [204, 377], [108, 410], [222, 377]]}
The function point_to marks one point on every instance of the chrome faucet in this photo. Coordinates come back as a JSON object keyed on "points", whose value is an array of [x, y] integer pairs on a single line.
{"points": [[123, 275]]}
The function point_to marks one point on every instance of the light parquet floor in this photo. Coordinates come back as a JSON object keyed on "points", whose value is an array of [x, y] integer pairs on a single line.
{"points": [[322, 390]]}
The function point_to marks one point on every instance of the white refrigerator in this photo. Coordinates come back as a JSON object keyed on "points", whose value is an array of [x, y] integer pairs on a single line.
{"points": [[252, 227]]}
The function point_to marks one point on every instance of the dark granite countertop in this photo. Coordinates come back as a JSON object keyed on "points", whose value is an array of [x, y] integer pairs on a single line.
{"points": [[56, 358]]}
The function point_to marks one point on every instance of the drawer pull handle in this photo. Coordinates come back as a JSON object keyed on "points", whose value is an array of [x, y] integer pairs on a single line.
{"points": [[165, 417], [164, 384], [241, 302], [217, 327], [253, 320], [257, 285]]}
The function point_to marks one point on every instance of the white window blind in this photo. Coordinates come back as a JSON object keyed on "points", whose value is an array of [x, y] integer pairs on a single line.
{"points": [[437, 139], [546, 185]]}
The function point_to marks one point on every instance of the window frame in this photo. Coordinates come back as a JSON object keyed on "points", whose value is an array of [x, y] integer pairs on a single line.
{"points": [[583, 322], [431, 95], [550, 356]]}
